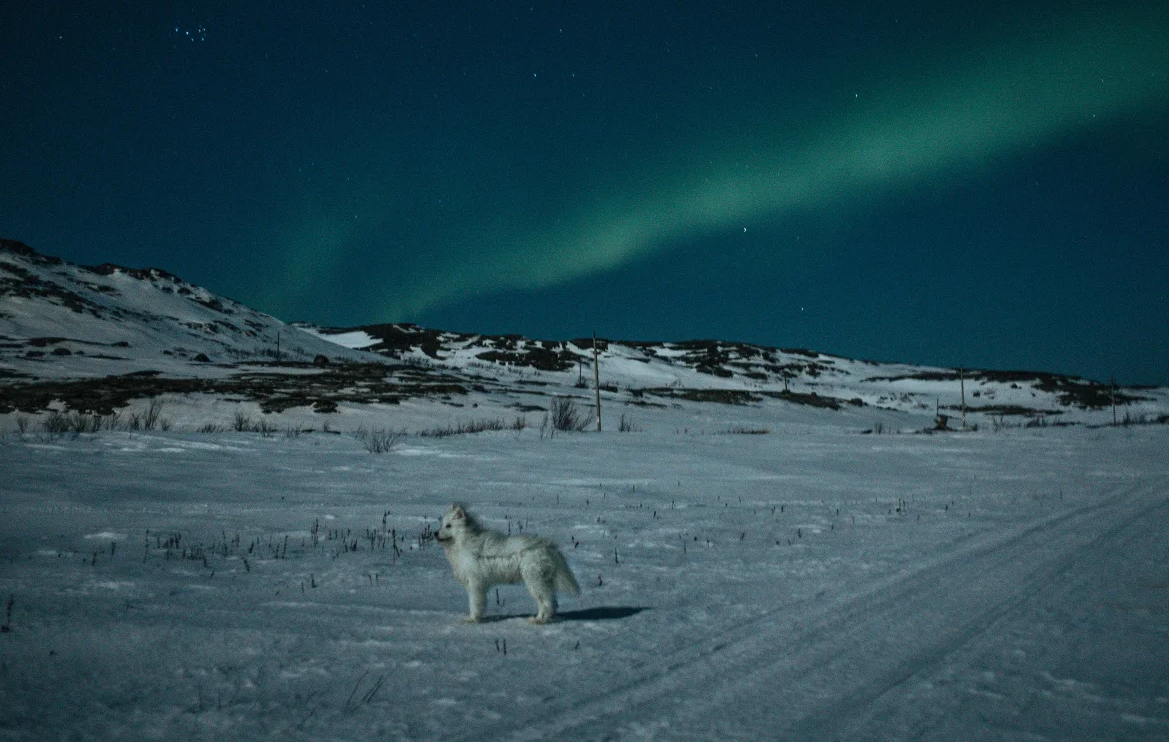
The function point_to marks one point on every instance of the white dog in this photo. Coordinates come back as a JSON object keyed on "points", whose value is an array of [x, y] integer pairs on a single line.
{"points": [[481, 558]]}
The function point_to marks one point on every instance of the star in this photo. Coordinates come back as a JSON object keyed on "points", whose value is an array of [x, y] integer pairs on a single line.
{"points": [[199, 33]]}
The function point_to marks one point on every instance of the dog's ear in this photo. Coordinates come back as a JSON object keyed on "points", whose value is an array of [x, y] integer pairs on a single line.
{"points": [[458, 513]]}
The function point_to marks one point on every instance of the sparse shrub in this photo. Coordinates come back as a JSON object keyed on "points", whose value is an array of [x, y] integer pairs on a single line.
{"points": [[519, 423], [479, 426], [379, 441], [22, 422], [442, 432], [1131, 418], [1143, 418], [210, 428], [241, 422], [461, 428], [564, 414], [150, 417], [56, 423], [740, 430], [999, 422], [79, 422], [75, 422], [626, 425]]}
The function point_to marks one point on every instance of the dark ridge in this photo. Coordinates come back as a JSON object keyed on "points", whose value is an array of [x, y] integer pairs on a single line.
{"points": [[396, 338], [602, 344], [15, 246], [106, 269], [721, 396], [538, 358]]}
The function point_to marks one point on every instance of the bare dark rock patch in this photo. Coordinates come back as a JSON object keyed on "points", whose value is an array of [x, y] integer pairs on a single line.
{"points": [[811, 399], [274, 391], [721, 396]]}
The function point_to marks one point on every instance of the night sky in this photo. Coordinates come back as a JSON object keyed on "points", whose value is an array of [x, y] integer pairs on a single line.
{"points": [[981, 184]]}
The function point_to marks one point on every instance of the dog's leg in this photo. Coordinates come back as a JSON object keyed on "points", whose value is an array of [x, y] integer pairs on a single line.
{"points": [[546, 609], [477, 595], [542, 590]]}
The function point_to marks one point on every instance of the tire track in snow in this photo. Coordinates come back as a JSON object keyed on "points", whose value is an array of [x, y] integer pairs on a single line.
{"points": [[1066, 663], [834, 719], [791, 663]]}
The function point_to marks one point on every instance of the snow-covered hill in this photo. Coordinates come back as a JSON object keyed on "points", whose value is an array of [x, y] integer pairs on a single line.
{"points": [[657, 374], [101, 339], [62, 320]]}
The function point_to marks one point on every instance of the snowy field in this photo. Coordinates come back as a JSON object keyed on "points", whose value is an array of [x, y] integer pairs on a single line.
{"points": [[810, 583]]}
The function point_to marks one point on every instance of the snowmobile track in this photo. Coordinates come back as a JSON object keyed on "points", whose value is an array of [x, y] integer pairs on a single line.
{"points": [[779, 666]]}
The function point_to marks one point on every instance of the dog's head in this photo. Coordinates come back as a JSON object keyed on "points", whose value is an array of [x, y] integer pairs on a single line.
{"points": [[455, 522]]}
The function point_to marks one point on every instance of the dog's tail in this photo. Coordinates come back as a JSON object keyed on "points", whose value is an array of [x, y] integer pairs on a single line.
{"points": [[565, 580]]}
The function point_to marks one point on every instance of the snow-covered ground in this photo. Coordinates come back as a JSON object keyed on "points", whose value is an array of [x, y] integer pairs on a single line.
{"points": [[809, 583], [774, 548]]}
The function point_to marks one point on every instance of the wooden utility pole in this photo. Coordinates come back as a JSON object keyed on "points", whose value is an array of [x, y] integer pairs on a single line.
{"points": [[597, 379], [1112, 382], [962, 387]]}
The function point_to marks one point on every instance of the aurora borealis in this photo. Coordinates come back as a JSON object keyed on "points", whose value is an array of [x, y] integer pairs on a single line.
{"points": [[977, 184]]}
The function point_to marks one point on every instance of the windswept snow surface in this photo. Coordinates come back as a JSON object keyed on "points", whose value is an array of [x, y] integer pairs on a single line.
{"points": [[807, 584]]}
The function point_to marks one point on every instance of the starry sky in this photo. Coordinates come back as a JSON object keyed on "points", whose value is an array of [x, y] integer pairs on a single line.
{"points": [[982, 184]]}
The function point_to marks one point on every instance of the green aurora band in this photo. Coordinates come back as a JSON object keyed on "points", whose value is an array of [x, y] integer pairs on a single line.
{"points": [[952, 124]]}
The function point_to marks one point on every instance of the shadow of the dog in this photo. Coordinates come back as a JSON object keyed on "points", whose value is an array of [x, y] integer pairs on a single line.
{"points": [[600, 613]]}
